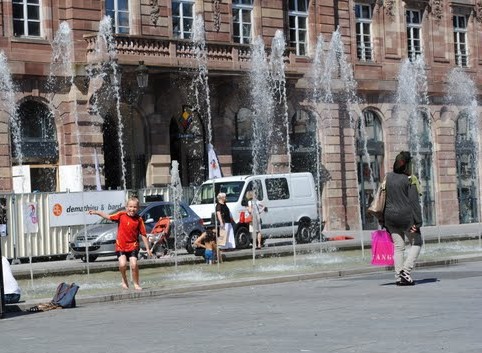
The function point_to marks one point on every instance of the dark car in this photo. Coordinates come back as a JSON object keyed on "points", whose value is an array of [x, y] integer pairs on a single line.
{"points": [[101, 236]]}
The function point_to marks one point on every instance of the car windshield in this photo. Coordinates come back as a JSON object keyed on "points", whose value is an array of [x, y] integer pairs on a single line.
{"points": [[108, 221], [205, 193]]}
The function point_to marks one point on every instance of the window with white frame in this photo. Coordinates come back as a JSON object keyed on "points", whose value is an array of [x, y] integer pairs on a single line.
{"points": [[26, 18], [363, 14], [182, 18], [414, 33], [118, 10], [242, 20], [460, 40], [298, 25]]}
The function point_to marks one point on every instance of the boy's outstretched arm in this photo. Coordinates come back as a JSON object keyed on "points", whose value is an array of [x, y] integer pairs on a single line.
{"points": [[99, 213]]}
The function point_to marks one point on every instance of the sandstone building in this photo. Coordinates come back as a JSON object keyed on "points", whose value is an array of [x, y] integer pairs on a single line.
{"points": [[65, 119]]}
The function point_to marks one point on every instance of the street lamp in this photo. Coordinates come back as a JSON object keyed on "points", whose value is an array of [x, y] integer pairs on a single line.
{"points": [[142, 74]]}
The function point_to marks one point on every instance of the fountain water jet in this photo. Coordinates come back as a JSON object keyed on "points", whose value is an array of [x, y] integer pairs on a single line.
{"points": [[62, 73], [412, 97], [176, 198], [108, 68], [263, 106], [8, 105], [462, 92]]}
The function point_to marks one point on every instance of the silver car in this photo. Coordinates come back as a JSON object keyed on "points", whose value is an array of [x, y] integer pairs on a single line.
{"points": [[101, 236]]}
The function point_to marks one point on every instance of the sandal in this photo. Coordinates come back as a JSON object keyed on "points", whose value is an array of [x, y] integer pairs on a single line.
{"points": [[34, 309]]}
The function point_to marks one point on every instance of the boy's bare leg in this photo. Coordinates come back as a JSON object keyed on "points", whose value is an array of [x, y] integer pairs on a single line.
{"points": [[135, 272], [123, 271]]}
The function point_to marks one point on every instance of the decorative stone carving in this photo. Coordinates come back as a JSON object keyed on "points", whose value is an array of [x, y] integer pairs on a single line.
{"points": [[155, 11], [478, 11], [436, 8], [389, 6], [217, 15], [379, 4]]}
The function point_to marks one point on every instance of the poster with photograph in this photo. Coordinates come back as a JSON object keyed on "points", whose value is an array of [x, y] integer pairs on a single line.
{"points": [[30, 218]]}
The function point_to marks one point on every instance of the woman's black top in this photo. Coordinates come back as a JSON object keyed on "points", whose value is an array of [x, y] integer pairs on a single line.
{"points": [[225, 214]]}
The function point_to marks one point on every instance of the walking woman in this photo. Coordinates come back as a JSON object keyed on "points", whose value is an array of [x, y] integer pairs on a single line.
{"points": [[403, 216], [255, 208], [224, 218]]}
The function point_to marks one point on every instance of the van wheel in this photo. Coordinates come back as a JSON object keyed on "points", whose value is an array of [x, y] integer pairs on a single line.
{"points": [[243, 238], [92, 258], [190, 242], [304, 233]]}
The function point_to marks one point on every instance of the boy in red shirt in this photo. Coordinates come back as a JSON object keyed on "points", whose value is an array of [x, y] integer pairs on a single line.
{"points": [[127, 245]]}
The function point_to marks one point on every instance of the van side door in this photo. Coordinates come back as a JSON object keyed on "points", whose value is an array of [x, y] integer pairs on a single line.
{"points": [[278, 219]]}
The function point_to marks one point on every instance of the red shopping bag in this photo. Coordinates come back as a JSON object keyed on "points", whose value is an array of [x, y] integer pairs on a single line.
{"points": [[382, 248], [245, 217]]}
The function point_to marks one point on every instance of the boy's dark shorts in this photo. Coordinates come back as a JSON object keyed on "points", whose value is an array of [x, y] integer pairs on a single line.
{"points": [[128, 254]]}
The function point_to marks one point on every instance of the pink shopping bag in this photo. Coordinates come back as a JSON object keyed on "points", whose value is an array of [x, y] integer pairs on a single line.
{"points": [[382, 248]]}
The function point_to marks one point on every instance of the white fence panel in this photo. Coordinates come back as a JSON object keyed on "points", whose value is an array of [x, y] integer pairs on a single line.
{"points": [[51, 242]]}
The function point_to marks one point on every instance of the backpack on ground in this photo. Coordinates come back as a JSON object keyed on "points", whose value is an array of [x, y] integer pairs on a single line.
{"points": [[65, 295], [64, 298]]}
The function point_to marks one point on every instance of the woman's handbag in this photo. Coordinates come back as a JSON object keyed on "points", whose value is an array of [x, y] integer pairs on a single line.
{"points": [[245, 217], [382, 248], [377, 207]]}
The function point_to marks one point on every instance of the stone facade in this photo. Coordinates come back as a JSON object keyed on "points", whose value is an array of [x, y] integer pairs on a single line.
{"points": [[153, 133]]}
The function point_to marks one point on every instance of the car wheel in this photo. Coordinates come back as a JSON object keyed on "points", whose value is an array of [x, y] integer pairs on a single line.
{"points": [[92, 258], [243, 238], [304, 233], [190, 242]]}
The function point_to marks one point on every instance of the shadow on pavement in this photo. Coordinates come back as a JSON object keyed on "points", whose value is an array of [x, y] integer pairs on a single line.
{"points": [[417, 281]]}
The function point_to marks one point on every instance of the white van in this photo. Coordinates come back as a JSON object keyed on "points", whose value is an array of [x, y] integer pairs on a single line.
{"points": [[291, 201]]}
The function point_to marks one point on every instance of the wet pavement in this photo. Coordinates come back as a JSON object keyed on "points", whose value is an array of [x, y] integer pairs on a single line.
{"points": [[100, 281], [343, 312]]}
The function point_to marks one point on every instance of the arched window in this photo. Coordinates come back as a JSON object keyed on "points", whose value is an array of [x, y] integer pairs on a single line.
{"points": [[370, 153], [421, 148], [303, 142], [37, 145], [242, 151], [306, 147], [188, 146], [466, 159]]}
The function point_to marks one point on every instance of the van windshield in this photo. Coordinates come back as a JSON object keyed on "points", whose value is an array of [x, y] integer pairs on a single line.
{"points": [[205, 193]]}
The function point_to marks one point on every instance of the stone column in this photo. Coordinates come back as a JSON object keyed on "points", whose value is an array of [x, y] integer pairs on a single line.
{"points": [[5, 160]]}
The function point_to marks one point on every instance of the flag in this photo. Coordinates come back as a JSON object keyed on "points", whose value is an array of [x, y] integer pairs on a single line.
{"points": [[98, 185], [214, 167]]}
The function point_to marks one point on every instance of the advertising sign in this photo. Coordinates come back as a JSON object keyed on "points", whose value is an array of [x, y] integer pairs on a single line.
{"points": [[70, 209]]}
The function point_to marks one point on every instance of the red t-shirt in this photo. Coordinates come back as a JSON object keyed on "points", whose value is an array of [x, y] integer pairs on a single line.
{"points": [[128, 231]]}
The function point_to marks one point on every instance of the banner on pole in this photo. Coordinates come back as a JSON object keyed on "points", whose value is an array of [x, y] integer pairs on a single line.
{"points": [[214, 167]]}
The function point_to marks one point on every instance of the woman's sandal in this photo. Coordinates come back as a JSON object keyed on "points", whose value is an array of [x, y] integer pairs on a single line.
{"points": [[34, 309]]}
